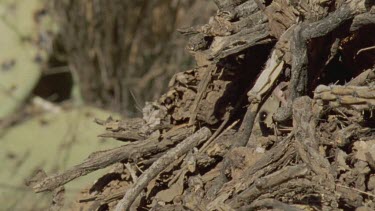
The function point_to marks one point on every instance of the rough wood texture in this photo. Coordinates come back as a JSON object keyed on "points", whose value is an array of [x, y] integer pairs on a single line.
{"points": [[99, 160], [257, 64], [182, 148]]}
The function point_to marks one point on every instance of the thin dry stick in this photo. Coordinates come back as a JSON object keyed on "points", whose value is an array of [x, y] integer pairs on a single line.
{"points": [[213, 137], [365, 49], [201, 89], [102, 159], [157, 167], [217, 132], [355, 189], [132, 172]]}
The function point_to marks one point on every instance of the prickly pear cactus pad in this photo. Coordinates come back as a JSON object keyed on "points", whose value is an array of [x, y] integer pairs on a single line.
{"points": [[22, 52], [54, 142]]}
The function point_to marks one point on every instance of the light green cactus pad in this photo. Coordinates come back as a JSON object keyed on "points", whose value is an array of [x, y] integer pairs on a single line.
{"points": [[20, 51], [53, 142]]}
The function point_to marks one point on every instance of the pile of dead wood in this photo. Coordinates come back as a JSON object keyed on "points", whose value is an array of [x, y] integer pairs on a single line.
{"points": [[276, 115]]}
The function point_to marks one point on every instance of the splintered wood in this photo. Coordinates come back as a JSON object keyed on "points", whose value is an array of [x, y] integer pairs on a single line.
{"points": [[240, 131]]}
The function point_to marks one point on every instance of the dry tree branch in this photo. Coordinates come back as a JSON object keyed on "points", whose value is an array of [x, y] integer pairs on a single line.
{"points": [[158, 166], [99, 160]]}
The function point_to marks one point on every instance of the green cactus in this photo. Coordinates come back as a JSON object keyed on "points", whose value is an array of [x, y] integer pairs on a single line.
{"points": [[21, 51], [53, 142]]}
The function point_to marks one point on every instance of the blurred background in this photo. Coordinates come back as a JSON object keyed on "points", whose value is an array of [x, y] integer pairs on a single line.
{"points": [[64, 63]]}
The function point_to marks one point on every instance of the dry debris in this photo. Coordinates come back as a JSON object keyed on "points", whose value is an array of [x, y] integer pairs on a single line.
{"points": [[297, 75]]}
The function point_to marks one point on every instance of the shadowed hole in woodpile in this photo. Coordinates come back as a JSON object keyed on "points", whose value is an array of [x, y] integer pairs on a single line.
{"points": [[243, 78], [350, 60], [56, 82], [55, 87]]}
